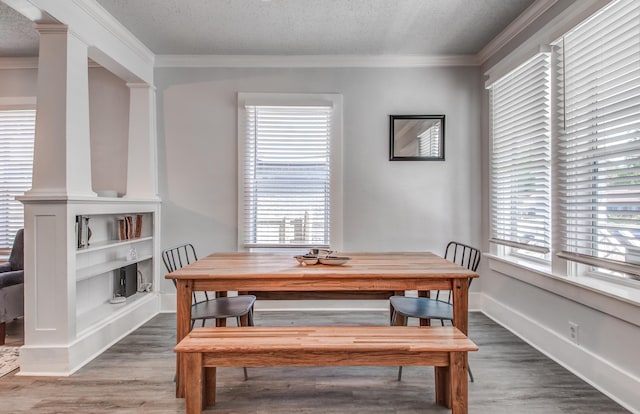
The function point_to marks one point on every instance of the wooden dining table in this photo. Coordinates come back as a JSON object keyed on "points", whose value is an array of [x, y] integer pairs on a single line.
{"points": [[277, 272]]}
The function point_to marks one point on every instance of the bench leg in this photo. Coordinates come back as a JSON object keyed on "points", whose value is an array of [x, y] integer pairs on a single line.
{"points": [[194, 383], [210, 386], [443, 386], [459, 383]]}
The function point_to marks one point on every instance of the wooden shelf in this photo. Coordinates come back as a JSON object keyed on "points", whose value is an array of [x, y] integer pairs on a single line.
{"points": [[100, 268], [107, 244], [106, 312]]}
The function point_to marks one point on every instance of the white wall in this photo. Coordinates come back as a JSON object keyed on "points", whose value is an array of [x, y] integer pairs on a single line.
{"points": [[387, 205], [109, 118], [109, 123], [18, 83]]}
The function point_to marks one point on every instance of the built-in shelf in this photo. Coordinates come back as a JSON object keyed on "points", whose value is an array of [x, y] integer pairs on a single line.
{"points": [[98, 269], [107, 244], [106, 312]]}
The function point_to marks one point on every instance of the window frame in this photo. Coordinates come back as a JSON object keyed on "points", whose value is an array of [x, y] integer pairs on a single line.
{"points": [[535, 68], [17, 105], [560, 265], [592, 263], [335, 193]]}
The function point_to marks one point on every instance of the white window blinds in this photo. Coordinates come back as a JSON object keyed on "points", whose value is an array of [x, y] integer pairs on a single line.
{"points": [[429, 141], [520, 157], [17, 128], [287, 176], [599, 77]]}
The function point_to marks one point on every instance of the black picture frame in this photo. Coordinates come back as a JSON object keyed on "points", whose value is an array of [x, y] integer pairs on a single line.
{"points": [[416, 137]]}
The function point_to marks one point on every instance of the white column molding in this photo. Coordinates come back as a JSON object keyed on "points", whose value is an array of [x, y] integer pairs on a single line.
{"points": [[62, 152], [142, 182], [49, 291]]}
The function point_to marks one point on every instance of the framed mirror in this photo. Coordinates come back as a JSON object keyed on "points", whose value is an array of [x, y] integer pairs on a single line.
{"points": [[416, 138]]}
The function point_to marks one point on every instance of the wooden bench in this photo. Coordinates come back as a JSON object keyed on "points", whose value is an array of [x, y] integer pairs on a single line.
{"points": [[445, 348]]}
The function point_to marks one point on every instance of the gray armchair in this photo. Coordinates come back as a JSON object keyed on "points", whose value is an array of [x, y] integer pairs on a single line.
{"points": [[12, 285]]}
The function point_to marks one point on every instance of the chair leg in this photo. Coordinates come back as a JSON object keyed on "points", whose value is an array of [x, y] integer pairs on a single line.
{"points": [[394, 319], [250, 322]]}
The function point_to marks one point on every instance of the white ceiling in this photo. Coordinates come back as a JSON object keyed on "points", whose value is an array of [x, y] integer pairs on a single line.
{"points": [[18, 38], [295, 27], [315, 27]]}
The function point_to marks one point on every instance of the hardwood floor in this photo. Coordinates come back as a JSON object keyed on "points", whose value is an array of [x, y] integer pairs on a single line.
{"points": [[136, 376]]}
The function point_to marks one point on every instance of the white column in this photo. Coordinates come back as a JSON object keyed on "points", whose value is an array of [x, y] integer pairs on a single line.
{"points": [[142, 169], [62, 153], [61, 171]]}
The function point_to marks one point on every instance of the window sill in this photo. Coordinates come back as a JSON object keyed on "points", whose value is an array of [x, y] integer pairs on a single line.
{"points": [[619, 300]]}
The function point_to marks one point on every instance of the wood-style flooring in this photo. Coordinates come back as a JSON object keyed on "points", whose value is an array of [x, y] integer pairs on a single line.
{"points": [[136, 376]]}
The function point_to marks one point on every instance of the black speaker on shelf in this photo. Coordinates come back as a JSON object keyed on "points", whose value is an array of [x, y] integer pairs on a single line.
{"points": [[126, 280]]}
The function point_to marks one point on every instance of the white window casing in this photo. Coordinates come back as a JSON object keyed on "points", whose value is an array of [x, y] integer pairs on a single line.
{"points": [[599, 139], [17, 129], [520, 157], [289, 169]]}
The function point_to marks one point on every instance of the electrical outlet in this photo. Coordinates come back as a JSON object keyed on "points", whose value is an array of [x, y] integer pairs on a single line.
{"points": [[574, 329]]}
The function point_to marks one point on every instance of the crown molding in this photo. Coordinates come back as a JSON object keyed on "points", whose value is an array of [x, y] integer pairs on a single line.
{"points": [[18, 63], [527, 17], [311, 61]]}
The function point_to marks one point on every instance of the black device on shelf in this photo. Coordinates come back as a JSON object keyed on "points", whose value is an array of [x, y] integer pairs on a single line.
{"points": [[126, 280]]}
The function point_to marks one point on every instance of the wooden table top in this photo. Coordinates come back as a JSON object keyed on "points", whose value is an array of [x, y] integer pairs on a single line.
{"points": [[283, 265]]}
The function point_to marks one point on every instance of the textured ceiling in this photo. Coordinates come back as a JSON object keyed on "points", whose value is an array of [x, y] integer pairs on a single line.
{"points": [[17, 35], [295, 27]]}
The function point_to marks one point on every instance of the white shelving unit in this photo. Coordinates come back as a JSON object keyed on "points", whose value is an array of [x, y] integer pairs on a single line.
{"points": [[98, 264], [68, 319], [75, 319]]}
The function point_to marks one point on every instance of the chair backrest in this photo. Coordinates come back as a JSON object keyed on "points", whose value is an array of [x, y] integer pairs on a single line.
{"points": [[17, 251], [463, 255], [179, 256]]}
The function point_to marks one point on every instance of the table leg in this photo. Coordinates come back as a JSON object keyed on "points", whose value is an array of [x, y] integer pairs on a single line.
{"points": [[210, 374], [184, 290], [461, 305], [443, 386], [424, 294], [221, 322], [461, 311]]}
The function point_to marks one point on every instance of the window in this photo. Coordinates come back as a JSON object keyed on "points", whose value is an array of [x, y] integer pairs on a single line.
{"points": [[289, 164], [429, 141], [520, 158], [599, 140], [585, 96], [17, 128]]}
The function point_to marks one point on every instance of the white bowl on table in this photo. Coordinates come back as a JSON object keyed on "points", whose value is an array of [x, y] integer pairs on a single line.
{"points": [[334, 260]]}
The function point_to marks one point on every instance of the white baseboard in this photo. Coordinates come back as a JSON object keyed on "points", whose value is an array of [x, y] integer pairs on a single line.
{"points": [[611, 380]]}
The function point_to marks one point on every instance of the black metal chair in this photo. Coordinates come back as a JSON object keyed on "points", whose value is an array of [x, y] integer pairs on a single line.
{"points": [[427, 308], [208, 307]]}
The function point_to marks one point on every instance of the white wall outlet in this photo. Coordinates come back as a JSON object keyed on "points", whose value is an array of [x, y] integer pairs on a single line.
{"points": [[573, 332]]}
